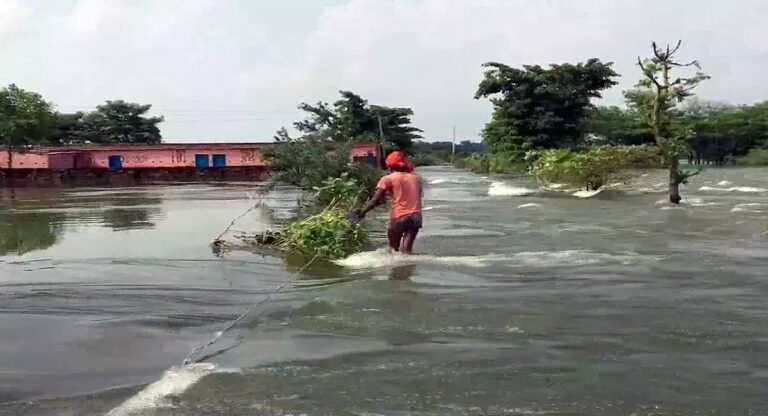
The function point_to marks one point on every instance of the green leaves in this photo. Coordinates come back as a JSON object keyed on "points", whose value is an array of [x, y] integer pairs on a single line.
{"points": [[590, 169], [342, 190], [121, 122], [328, 234], [353, 119], [25, 117], [536, 107]]}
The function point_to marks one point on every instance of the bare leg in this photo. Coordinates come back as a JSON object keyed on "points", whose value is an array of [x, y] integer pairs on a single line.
{"points": [[394, 235], [408, 238]]}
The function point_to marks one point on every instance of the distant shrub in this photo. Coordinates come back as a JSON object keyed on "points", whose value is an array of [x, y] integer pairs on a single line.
{"points": [[425, 159], [755, 157], [491, 163]]}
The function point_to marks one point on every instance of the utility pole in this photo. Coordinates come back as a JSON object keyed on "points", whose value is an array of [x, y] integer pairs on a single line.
{"points": [[453, 145]]}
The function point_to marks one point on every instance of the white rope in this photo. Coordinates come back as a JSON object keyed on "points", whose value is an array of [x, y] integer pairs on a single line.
{"points": [[216, 336]]}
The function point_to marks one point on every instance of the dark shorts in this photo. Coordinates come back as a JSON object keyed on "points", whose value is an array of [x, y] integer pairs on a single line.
{"points": [[406, 223]]}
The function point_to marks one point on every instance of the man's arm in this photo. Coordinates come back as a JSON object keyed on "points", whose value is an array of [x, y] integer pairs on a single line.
{"points": [[377, 198]]}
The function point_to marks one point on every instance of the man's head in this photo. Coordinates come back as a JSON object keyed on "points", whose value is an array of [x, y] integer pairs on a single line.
{"points": [[398, 162]]}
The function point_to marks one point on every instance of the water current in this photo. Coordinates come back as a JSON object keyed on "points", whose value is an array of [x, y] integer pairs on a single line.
{"points": [[521, 300]]}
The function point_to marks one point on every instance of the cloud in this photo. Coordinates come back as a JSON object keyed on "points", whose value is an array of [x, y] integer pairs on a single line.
{"points": [[236, 70]]}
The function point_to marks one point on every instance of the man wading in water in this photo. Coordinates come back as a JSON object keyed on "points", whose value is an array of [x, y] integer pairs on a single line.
{"points": [[405, 188]]}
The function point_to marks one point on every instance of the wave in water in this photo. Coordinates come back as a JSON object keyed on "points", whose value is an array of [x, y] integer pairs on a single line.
{"points": [[748, 207], [462, 232], [174, 382], [529, 205], [586, 194], [744, 189], [502, 189], [699, 202]]}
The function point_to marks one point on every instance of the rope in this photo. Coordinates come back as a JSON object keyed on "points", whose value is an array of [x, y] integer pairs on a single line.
{"points": [[219, 334], [258, 204]]}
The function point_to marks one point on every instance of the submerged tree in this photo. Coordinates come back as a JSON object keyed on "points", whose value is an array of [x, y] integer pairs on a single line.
{"points": [[540, 108], [657, 95]]}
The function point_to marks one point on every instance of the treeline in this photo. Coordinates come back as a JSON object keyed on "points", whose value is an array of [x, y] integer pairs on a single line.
{"points": [[27, 119], [718, 131], [543, 120], [436, 153]]}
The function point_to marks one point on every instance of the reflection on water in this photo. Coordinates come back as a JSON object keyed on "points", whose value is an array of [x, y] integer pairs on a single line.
{"points": [[520, 300], [22, 233], [129, 218]]}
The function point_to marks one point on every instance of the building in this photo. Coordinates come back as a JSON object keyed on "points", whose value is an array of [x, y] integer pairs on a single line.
{"points": [[199, 155], [167, 162]]}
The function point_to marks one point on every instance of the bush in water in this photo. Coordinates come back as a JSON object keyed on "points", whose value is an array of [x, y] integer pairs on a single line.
{"points": [[329, 234], [593, 168]]}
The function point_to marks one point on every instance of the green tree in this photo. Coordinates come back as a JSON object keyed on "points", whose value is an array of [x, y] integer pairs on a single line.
{"points": [[536, 107], [656, 95], [618, 126], [67, 128], [353, 119], [121, 122], [25, 119]]}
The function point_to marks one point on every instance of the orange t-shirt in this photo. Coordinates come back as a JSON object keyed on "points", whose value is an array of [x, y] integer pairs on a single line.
{"points": [[405, 189]]}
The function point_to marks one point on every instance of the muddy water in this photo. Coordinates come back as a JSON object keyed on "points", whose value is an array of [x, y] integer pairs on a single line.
{"points": [[523, 300]]}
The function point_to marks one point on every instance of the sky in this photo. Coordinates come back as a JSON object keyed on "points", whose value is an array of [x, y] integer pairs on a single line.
{"points": [[235, 70]]}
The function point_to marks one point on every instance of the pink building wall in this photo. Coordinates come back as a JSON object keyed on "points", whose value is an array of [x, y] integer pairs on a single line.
{"points": [[171, 158], [24, 160], [152, 156]]}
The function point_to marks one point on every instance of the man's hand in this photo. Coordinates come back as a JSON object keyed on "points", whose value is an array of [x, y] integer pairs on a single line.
{"points": [[355, 216]]}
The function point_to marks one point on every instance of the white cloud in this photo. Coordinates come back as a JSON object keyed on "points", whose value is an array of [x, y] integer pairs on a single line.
{"points": [[236, 71]]}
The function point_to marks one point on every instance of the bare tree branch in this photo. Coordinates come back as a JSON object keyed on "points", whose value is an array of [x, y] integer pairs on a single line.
{"points": [[692, 63], [679, 42], [656, 51]]}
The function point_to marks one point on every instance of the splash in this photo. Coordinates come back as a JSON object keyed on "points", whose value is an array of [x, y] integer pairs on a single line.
{"points": [[173, 382], [724, 183], [529, 205], [383, 258], [502, 189]]}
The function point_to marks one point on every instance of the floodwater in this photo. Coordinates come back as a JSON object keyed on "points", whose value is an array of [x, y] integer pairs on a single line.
{"points": [[522, 301]]}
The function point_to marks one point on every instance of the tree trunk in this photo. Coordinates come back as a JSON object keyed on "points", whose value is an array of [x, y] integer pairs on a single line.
{"points": [[674, 182]]}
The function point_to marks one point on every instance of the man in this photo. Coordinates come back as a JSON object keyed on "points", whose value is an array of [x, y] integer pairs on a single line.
{"points": [[406, 192]]}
